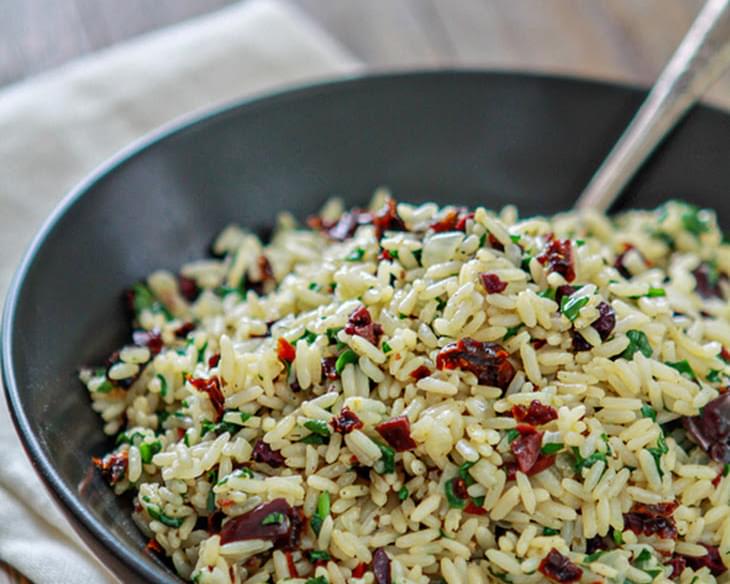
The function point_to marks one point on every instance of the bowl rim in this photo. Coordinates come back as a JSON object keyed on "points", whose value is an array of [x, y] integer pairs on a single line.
{"points": [[81, 519]]}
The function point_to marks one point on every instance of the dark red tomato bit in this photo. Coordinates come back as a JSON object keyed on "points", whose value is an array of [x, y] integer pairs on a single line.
{"points": [[214, 360], [708, 281], [463, 218], [153, 546], [344, 227], [717, 479], [652, 520], [284, 534], [711, 429], [458, 486], [360, 323], [619, 262], [359, 570], [556, 567], [150, 339], [597, 543], [494, 242], [262, 452], [711, 561], [606, 321], [387, 219], [188, 288], [213, 388], [289, 564], [447, 222], [329, 369], [564, 290], [542, 463], [397, 433], [725, 354], [536, 414], [265, 269], [538, 343], [492, 283], [678, 564], [558, 256], [526, 449], [346, 421], [474, 509], [385, 255], [285, 350], [579, 342], [113, 466], [182, 331], [381, 567], [420, 372], [488, 361]]}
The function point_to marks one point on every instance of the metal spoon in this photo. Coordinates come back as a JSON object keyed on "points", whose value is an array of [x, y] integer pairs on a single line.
{"points": [[702, 56]]}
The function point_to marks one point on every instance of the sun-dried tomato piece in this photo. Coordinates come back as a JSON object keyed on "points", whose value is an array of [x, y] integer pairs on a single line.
{"points": [[711, 429], [264, 266], [474, 509], [285, 350], [492, 283], [329, 369], [556, 567], [113, 466], [488, 361], [494, 242], [381, 566], [564, 290], [558, 256], [397, 433], [359, 570], [360, 323], [188, 288], [262, 452], [153, 546], [283, 527], [346, 421], [526, 447], [214, 360], [678, 563], [447, 222], [344, 227], [150, 339], [711, 561], [579, 342], [606, 320], [213, 388], [725, 354], [420, 372], [536, 414], [545, 461], [652, 520], [463, 218], [538, 343], [387, 219], [619, 261], [708, 281], [182, 331]]}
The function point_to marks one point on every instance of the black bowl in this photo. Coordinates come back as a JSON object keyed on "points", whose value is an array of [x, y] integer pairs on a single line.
{"points": [[457, 137]]}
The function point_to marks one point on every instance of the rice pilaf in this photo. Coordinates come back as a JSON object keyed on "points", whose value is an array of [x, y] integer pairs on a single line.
{"points": [[415, 394]]}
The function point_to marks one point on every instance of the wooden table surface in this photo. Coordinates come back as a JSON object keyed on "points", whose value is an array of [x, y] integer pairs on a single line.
{"points": [[626, 40]]}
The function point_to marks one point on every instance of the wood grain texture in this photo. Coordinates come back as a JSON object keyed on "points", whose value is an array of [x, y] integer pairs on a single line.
{"points": [[625, 40]]}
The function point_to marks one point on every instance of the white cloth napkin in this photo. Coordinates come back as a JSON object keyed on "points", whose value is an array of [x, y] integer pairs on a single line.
{"points": [[57, 127]]}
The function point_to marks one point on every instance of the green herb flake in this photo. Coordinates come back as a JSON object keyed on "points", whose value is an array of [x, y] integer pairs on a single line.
{"points": [[349, 356], [511, 332], [515, 238], [580, 242], [308, 336], [386, 464], [163, 384], [313, 286], [550, 531], [648, 412], [590, 558], [684, 368], [570, 305], [318, 556], [403, 493], [512, 435], [332, 334], [551, 448], [210, 503], [105, 387], [549, 293], [455, 502], [317, 427], [356, 255], [148, 449], [275, 518], [618, 537], [643, 556], [314, 440], [657, 452], [638, 341], [581, 463], [317, 580], [386, 347], [464, 472], [715, 376], [693, 221], [201, 352], [156, 513], [323, 504], [652, 293], [725, 469]]}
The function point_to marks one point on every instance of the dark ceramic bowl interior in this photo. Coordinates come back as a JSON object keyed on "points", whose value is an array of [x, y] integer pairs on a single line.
{"points": [[453, 137]]}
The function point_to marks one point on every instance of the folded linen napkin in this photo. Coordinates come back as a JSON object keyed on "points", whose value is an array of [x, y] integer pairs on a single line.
{"points": [[57, 127]]}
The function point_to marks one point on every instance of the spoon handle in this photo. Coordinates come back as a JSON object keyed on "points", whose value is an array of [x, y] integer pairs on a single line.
{"points": [[702, 56]]}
